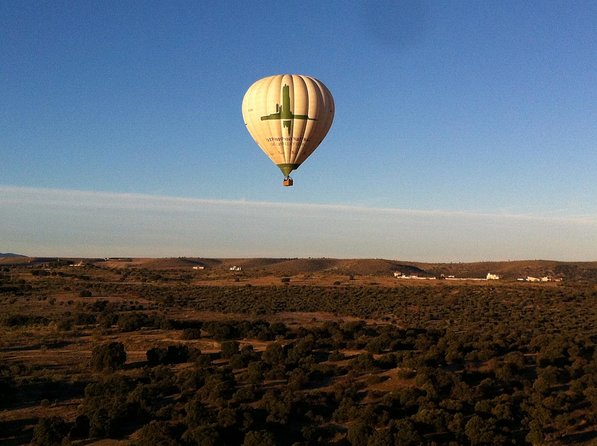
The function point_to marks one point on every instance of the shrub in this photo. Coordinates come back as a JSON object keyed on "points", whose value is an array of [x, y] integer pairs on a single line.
{"points": [[358, 433], [155, 433], [197, 413], [259, 438], [173, 354], [50, 432], [407, 434], [85, 318], [191, 333], [18, 320], [40, 272], [479, 431], [222, 330], [298, 379], [80, 428], [203, 436], [133, 321], [229, 348], [65, 324], [110, 356], [278, 407], [105, 405], [181, 353]]}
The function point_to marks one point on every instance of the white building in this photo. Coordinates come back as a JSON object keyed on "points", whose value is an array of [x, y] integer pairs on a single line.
{"points": [[412, 277], [492, 276]]}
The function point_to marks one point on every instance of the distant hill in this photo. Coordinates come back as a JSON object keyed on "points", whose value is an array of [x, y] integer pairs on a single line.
{"points": [[509, 270], [373, 267], [518, 268], [9, 258], [284, 266]]}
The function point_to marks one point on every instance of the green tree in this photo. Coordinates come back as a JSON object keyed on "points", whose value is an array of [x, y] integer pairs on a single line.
{"points": [[191, 333], [105, 405], [110, 356], [479, 430], [227, 418], [358, 433], [406, 434], [197, 413], [156, 433], [50, 432], [274, 354], [259, 438], [535, 436], [203, 436], [298, 379], [229, 348], [278, 407], [382, 437]]}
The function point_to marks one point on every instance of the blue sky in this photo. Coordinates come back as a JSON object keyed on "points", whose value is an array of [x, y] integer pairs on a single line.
{"points": [[464, 130]]}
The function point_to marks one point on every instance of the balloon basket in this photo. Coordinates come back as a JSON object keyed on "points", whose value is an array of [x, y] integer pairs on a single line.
{"points": [[288, 181]]}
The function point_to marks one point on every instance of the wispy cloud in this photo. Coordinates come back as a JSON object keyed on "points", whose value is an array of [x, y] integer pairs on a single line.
{"points": [[71, 222], [144, 202]]}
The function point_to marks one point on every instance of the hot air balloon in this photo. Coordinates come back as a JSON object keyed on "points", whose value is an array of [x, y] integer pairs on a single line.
{"points": [[288, 116]]}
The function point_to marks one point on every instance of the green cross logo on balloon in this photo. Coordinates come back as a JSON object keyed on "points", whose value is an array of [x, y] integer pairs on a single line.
{"points": [[283, 113]]}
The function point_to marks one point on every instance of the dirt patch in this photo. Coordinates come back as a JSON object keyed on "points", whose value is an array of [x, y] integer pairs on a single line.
{"points": [[392, 381]]}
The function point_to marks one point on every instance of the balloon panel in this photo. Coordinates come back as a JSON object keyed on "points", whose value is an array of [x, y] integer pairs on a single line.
{"points": [[288, 116]]}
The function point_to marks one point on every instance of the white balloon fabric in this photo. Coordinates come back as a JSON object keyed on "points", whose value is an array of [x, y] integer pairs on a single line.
{"points": [[288, 116]]}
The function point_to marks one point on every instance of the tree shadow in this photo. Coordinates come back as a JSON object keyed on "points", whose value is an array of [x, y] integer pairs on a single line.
{"points": [[38, 346], [32, 393], [16, 432], [580, 437]]}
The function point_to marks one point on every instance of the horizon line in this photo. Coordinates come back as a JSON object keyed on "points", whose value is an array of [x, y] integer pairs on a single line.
{"points": [[11, 254]]}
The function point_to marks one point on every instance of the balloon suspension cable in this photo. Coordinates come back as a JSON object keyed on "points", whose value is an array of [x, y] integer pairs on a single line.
{"points": [[287, 181]]}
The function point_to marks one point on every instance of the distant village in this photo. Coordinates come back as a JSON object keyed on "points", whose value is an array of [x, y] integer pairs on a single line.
{"points": [[490, 276]]}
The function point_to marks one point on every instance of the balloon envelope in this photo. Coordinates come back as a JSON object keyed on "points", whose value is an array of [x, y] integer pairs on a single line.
{"points": [[288, 116]]}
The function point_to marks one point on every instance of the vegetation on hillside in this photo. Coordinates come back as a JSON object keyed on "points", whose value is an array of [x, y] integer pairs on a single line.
{"points": [[162, 361]]}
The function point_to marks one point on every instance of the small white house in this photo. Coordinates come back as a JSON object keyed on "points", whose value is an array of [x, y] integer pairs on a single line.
{"points": [[198, 267], [492, 276], [235, 268]]}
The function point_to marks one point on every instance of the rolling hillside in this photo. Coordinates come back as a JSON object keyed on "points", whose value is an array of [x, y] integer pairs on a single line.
{"points": [[509, 270], [378, 267]]}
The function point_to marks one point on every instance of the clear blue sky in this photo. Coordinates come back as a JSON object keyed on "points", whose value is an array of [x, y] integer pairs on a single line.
{"points": [[464, 130]]}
